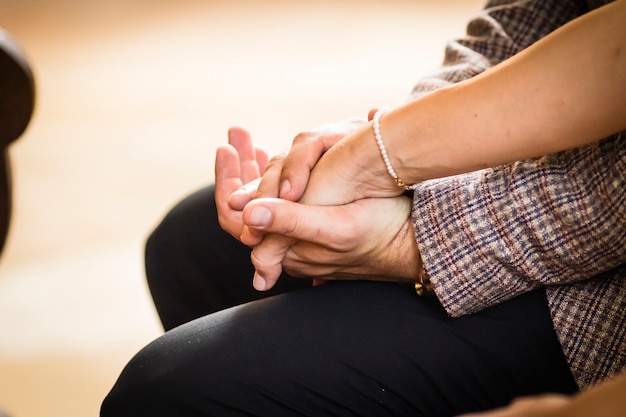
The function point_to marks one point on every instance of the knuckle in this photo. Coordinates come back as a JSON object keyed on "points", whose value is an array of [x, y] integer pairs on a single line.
{"points": [[256, 259], [264, 261], [269, 254], [303, 137], [260, 193], [290, 227], [276, 160]]}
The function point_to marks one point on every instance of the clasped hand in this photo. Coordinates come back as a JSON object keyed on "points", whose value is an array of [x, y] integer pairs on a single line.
{"points": [[312, 219]]}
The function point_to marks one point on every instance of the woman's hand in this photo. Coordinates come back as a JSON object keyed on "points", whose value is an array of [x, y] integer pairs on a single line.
{"points": [[351, 170], [287, 174], [367, 239], [334, 164]]}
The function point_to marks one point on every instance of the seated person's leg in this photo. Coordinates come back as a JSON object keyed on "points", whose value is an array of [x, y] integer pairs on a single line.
{"points": [[195, 268], [345, 348]]}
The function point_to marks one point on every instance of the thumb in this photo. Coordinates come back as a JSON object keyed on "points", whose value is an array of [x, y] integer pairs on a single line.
{"points": [[315, 224]]}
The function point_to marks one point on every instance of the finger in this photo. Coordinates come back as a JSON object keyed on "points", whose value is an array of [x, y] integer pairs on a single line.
{"points": [[268, 187], [370, 115], [243, 195], [239, 137], [250, 236], [305, 151], [267, 259], [227, 180], [227, 170], [299, 221], [261, 159]]}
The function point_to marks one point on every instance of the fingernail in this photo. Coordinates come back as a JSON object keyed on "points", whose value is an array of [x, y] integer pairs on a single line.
{"points": [[285, 187], [259, 282], [260, 216]]}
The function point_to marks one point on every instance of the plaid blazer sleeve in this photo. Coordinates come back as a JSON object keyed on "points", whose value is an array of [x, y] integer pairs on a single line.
{"points": [[491, 235], [501, 30]]}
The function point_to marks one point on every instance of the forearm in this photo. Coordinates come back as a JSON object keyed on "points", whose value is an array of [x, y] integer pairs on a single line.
{"points": [[564, 91], [502, 29]]}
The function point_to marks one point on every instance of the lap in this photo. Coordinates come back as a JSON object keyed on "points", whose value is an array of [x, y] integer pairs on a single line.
{"points": [[347, 348]]}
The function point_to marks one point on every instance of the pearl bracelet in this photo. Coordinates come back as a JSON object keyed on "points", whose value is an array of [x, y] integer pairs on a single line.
{"points": [[383, 151], [423, 285]]}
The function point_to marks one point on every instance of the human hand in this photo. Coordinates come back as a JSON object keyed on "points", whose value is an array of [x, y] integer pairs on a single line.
{"points": [[551, 405], [339, 179], [236, 164], [352, 170], [333, 242], [334, 164], [331, 187], [287, 174]]}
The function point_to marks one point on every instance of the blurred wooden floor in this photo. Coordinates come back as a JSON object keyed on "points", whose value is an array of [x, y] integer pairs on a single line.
{"points": [[133, 98]]}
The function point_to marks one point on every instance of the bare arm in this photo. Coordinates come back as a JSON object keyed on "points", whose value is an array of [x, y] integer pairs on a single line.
{"points": [[566, 90]]}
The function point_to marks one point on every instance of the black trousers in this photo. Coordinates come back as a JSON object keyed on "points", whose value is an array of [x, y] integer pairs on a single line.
{"points": [[342, 349]]}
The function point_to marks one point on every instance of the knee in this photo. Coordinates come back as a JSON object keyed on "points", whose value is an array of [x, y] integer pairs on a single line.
{"points": [[142, 389], [128, 395]]}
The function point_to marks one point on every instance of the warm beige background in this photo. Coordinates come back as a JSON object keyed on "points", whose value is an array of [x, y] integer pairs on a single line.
{"points": [[133, 98]]}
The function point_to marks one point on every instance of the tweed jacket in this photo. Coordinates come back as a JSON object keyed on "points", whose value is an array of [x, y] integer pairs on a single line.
{"points": [[557, 222]]}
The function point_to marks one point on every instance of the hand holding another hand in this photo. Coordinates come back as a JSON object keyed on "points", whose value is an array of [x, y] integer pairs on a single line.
{"points": [[350, 170], [287, 174], [337, 234], [334, 164], [366, 239]]}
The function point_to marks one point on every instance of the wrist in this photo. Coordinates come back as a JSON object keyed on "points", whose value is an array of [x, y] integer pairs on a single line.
{"points": [[368, 166], [401, 259], [349, 171], [383, 151], [407, 261]]}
